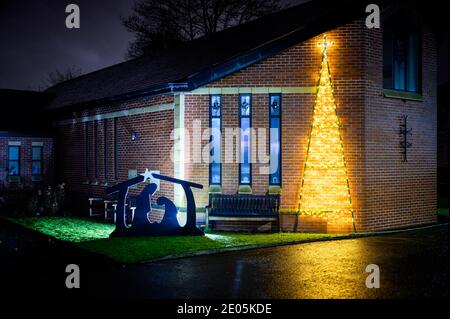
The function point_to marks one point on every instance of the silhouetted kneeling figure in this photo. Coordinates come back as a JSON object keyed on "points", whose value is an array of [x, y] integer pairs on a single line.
{"points": [[141, 225]]}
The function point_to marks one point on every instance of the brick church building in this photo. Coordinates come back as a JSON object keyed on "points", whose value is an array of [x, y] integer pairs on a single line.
{"points": [[114, 123]]}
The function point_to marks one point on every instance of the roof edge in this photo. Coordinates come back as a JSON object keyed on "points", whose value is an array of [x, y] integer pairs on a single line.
{"points": [[241, 61], [151, 91]]}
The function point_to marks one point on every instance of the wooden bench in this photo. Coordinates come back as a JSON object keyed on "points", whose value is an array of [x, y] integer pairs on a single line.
{"points": [[107, 208], [96, 207], [242, 208], [110, 210]]}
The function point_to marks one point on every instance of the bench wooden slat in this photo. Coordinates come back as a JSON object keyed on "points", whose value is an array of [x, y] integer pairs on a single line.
{"points": [[243, 205]]}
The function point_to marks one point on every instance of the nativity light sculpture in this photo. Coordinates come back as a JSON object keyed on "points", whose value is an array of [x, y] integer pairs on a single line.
{"points": [[325, 190], [141, 225]]}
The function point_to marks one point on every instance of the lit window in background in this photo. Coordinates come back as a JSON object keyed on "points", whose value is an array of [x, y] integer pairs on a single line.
{"points": [[14, 160], [36, 160]]}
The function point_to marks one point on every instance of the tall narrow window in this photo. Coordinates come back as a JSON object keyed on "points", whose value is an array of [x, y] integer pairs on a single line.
{"points": [[14, 160], [401, 55], [86, 149], [245, 123], [105, 148], [215, 166], [36, 161], [116, 161], [96, 149], [275, 139]]}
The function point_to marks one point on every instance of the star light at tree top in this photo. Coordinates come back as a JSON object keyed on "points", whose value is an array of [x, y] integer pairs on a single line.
{"points": [[325, 189]]}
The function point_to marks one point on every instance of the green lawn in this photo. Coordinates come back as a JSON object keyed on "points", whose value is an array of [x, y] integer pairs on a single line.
{"points": [[93, 236], [66, 228]]}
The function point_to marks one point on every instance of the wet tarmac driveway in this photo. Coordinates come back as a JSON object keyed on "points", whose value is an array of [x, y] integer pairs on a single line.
{"points": [[412, 265]]}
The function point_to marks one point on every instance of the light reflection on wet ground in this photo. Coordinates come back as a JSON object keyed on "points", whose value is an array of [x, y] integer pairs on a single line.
{"points": [[411, 265]]}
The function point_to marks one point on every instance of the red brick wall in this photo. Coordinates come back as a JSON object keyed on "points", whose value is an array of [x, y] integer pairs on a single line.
{"points": [[244, 226], [400, 194], [151, 150], [385, 192], [25, 159], [297, 66], [312, 224]]}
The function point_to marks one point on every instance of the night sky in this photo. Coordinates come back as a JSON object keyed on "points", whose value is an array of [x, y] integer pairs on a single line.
{"points": [[35, 41]]}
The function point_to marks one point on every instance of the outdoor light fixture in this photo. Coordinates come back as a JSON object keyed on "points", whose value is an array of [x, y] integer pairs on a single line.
{"points": [[134, 135], [325, 190]]}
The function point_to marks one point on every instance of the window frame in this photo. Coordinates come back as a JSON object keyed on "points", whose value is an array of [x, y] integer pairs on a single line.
{"points": [[96, 150], [116, 149], [10, 160], [249, 138], [86, 149], [210, 137], [41, 160], [279, 116], [105, 149], [400, 27]]}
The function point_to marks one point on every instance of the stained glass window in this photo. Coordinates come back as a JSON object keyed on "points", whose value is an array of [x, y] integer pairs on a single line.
{"points": [[245, 168], [275, 139], [215, 166]]}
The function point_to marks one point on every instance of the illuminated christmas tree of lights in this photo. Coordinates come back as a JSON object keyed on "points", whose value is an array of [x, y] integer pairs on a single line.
{"points": [[325, 189]]}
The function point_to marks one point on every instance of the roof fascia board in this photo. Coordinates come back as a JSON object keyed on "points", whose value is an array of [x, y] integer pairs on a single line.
{"points": [[160, 89], [244, 60], [237, 63]]}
